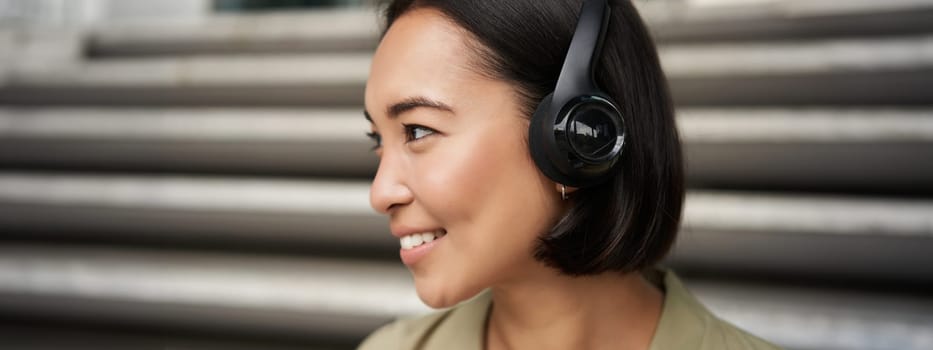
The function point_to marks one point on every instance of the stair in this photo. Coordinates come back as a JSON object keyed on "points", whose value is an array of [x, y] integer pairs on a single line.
{"points": [[205, 186]]}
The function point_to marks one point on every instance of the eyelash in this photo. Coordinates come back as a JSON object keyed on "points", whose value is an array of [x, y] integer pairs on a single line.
{"points": [[376, 138], [410, 130]]}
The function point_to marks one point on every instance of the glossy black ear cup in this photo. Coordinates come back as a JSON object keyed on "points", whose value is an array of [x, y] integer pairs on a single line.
{"points": [[540, 131], [577, 143], [592, 130], [577, 133]]}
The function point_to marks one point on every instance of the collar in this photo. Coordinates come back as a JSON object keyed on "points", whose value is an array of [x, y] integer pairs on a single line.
{"points": [[682, 325]]}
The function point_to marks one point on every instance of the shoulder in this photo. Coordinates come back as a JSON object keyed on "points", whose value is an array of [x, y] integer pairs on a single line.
{"points": [[723, 335], [460, 327], [688, 324], [403, 333]]}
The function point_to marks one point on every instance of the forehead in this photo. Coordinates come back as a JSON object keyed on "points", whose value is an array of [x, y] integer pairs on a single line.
{"points": [[422, 54]]}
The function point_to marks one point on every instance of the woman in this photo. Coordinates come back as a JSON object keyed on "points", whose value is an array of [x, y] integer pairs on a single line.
{"points": [[529, 198]]}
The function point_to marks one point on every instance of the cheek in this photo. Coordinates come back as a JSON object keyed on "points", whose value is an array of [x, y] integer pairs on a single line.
{"points": [[484, 188], [467, 172], [486, 184], [451, 179]]}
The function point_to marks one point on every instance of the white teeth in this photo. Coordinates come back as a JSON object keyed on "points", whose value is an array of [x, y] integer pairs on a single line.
{"points": [[406, 242], [417, 239]]}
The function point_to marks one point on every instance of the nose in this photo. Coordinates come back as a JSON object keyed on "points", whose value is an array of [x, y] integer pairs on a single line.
{"points": [[389, 189]]}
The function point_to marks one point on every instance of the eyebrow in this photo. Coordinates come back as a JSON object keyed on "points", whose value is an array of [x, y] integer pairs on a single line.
{"points": [[409, 104]]}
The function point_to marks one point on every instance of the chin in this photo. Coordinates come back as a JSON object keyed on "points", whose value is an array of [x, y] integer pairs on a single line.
{"points": [[442, 294]]}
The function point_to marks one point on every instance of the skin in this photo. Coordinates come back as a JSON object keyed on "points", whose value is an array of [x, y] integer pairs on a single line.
{"points": [[466, 168]]}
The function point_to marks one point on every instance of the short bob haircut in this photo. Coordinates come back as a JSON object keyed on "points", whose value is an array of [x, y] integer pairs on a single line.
{"points": [[628, 223]]}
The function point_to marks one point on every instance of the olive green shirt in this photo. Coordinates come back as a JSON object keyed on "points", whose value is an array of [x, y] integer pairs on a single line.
{"points": [[684, 324]]}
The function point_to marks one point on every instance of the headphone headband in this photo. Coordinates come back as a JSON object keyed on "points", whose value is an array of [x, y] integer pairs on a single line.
{"points": [[576, 74], [577, 132]]}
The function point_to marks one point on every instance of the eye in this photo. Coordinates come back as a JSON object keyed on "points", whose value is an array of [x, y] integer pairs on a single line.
{"points": [[415, 132], [377, 139]]}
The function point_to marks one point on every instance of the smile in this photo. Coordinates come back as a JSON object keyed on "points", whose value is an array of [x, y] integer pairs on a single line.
{"points": [[417, 239]]}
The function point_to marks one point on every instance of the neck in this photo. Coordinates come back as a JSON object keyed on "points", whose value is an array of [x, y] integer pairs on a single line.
{"points": [[552, 311]]}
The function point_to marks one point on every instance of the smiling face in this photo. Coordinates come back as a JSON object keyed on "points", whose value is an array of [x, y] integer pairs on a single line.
{"points": [[453, 158]]}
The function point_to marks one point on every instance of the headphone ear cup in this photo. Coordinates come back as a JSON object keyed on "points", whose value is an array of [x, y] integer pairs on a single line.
{"points": [[558, 150], [540, 139]]}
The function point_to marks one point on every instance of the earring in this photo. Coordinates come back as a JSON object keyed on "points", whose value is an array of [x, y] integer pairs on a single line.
{"points": [[563, 192]]}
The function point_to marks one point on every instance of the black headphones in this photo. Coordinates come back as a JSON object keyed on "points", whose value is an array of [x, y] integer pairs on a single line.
{"points": [[577, 132]]}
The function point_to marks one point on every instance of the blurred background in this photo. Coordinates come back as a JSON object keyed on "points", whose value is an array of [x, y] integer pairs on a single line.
{"points": [[193, 174]]}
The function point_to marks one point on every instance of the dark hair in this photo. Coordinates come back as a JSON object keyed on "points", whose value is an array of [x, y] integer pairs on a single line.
{"points": [[629, 222]]}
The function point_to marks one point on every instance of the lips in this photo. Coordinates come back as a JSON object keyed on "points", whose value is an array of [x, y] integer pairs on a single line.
{"points": [[416, 243]]}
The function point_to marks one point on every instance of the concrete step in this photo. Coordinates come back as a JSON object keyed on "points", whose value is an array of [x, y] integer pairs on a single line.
{"points": [[348, 30], [313, 299], [796, 237], [778, 20], [318, 31], [829, 72], [821, 318], [314, 214], [820, 72], [318, 80], [693, 60], [812, 149], [197, 291], [791, 235], [43, 336], [805, 149], [321, 142]]}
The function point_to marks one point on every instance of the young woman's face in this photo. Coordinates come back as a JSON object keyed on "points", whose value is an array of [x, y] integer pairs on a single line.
{"points": [[454, 161]]}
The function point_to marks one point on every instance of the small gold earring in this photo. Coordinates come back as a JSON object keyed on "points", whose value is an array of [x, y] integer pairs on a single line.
{"points": [[563, 192]]}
